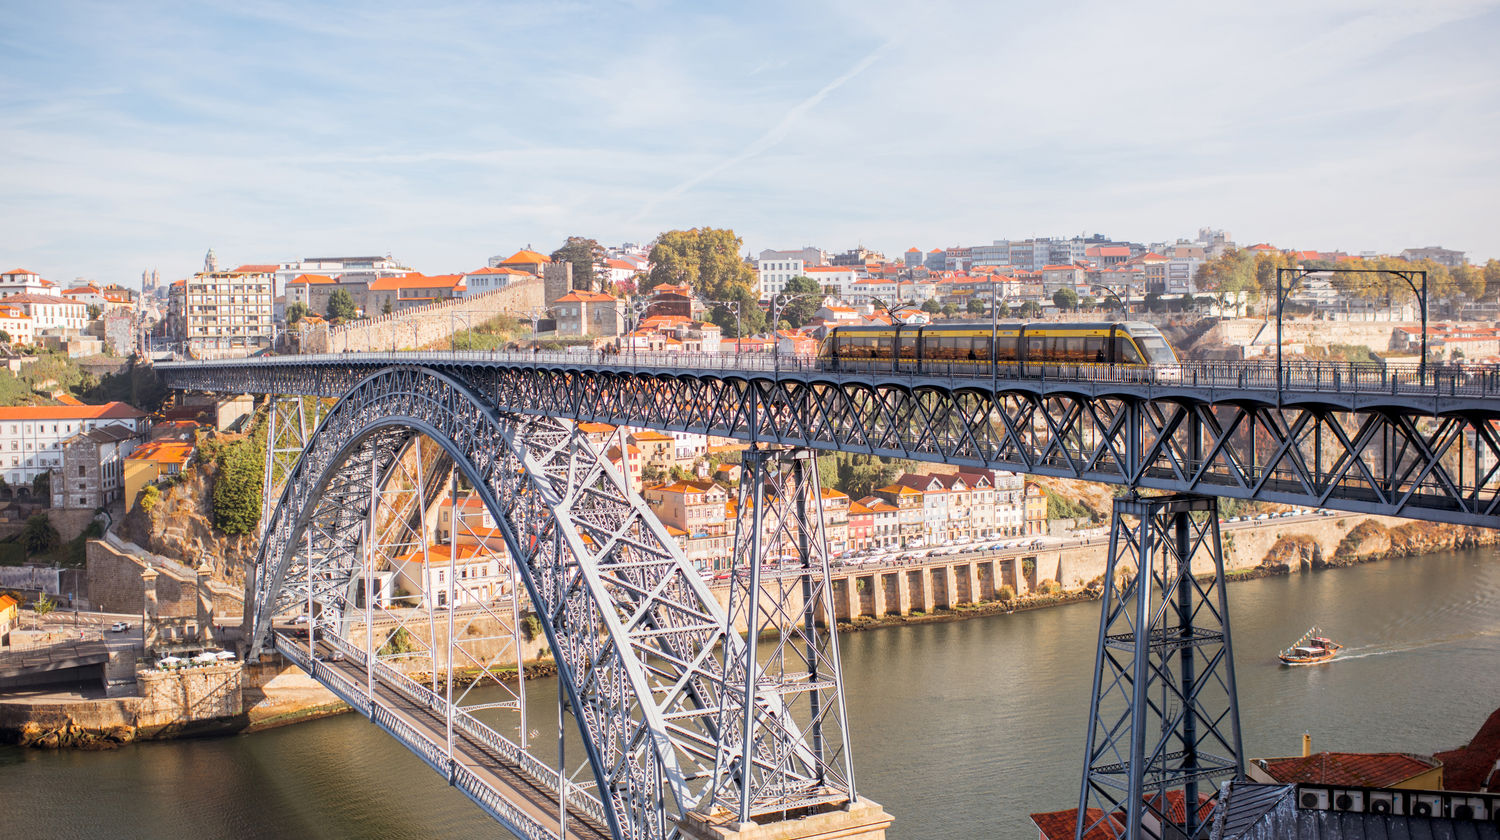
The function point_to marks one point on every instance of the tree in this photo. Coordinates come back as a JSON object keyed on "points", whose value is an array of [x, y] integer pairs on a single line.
{"points": [[341, 306], [4, 337], [708, 260], [975, 306], [41, 486], [1155, 303], [38, 535], [295, 311], [1065, 298], [237, 488], [1030, 309], [800, 310], [1469, 279], [931, 306], [385, 308], [588, 259], [1492, 277], [949, 310], [1002, 310], [43, 605]]}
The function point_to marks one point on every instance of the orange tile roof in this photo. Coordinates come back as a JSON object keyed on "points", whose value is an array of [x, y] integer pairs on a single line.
{"points": [[415, 280], [69, 399], [1063, 825], [255, 269], [524, 257], [108, 411], [441, 553], [1362, 769], [649, 434], [22, 271], [311, 278], [582, 295], [163, 452], [6, 602]]}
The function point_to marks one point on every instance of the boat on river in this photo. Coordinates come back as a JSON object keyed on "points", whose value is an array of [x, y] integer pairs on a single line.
{"points": [[1311, 649]]}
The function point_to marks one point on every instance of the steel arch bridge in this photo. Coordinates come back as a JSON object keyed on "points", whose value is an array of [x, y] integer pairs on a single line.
{"points": [[683, 722], [1420, 444], [678, 713]]}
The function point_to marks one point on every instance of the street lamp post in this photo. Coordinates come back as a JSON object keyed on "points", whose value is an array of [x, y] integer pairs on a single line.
{"points": [[777, 303], [735, 305]]}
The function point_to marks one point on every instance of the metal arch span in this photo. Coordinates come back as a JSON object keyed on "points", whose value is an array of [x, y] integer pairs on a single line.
{"points": [[634, 630], [1423, 450]]}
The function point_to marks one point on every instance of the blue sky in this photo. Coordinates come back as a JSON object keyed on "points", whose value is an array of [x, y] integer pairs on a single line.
{"points": [[139, 134]]}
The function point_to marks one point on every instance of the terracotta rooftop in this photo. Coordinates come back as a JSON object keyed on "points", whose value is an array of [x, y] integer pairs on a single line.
{"points": [[108, 411], [1362, 769], [1469, 767]]}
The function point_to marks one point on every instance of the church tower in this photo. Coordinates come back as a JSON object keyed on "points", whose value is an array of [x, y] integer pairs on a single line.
{"points": [[210, 263]]}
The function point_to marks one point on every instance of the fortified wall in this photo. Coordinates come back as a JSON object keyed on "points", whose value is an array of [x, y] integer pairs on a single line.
{"points": [[117, 583], [426, 325]]}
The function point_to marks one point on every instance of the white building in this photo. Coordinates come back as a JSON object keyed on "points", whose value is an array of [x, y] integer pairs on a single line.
{"points": [[489, 279], [837, 280], [51, 313], [223, 309], [775, 274], [18, 325], [31, 437], [19, 281], [349, 269]]}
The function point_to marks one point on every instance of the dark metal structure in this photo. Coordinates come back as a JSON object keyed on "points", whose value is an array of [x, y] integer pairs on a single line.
{"points": [[1419, 444], [1164, 724]]}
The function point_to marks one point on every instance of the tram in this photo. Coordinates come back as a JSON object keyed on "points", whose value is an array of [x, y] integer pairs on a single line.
{"points": [[1014, 348]]}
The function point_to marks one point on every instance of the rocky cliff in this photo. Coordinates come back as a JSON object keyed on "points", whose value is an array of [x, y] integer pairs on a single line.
{"points": [[181, 527]]}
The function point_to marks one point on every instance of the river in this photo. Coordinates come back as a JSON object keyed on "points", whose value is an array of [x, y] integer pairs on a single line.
{"points": [[960, 729]]}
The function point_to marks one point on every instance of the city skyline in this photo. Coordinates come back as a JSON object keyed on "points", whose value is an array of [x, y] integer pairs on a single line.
{"points": [[139, 138]]}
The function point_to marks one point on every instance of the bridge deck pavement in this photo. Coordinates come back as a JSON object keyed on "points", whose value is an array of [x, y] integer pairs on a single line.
{"points": [[503, 776]]}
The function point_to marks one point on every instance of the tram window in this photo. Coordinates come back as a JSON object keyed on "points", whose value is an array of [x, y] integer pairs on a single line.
{"points": [[1093, 348], [1005, 349], [1126, 353], [909, 345], [1073, 349], [1036, 350]]}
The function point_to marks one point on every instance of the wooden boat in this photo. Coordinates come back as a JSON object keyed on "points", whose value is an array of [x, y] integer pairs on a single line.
{"points": [[1311, 649]]}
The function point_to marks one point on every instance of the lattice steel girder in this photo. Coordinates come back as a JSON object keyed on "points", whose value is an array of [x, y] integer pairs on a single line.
{"points": [[1425, 458], [792, 749], [1164, 726], [632, 626]]}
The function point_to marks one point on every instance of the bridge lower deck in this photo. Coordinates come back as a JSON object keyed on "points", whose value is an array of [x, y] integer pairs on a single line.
{"points": [[485, 763]]}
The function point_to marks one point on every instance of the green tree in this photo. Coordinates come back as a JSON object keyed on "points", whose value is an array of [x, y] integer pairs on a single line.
{"points": [[1469, 280], [341, 306], [38, 535], [385, 308], [1002, 310], [1155, 303], [975, 306], [4, 336], [1030, 309], [95, 310], [931, 306], [43, 605], [237, 487], [41, 486], [295, 311], [1065, 298], [150, 497], [800, 310], [1492, 277], [587, 257], [708, 260], [949, 310], [400, 641]]}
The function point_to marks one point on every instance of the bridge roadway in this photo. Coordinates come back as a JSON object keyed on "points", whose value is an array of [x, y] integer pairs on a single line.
{"points": [[517, 790], [1422, 444]]}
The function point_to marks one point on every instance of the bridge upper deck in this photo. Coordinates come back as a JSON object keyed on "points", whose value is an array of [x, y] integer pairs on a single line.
{"points": [[1432, 391]]}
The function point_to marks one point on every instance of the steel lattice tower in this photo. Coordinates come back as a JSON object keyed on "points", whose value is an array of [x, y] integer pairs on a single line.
{"points": [[1164, 715]]}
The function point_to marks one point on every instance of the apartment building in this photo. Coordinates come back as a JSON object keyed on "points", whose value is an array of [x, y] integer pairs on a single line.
{"points": [[228, 309]]}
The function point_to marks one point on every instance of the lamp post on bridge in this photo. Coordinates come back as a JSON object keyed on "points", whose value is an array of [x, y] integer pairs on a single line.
{"points": [[777, 302], [735, 305], [1415, 279]]}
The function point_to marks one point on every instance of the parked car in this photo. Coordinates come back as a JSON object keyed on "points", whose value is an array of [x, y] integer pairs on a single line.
{"points": [[119, 627]]}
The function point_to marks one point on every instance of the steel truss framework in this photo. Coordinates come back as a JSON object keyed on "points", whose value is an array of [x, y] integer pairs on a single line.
{"points": [[779, 591], [1164, 712], [647, 662], [1430, 458]]}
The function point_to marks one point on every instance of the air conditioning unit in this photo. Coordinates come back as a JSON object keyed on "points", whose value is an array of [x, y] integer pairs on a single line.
{"points": [[1470, 808], [1349, 800], [1427, 805], [1315, 799], [1384, 802]]}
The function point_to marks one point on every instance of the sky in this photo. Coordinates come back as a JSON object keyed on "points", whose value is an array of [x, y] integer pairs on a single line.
{"points": [[138, 135]]}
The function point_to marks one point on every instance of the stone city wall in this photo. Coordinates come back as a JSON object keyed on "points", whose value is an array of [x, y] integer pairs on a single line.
{"points": [[426, 325], [115, 584]]}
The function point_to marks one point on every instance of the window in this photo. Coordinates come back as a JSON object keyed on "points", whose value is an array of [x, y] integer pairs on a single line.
{"points": [[80, 471]]}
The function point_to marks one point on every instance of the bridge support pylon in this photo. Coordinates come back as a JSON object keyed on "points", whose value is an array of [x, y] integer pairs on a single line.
{"points": [[786, 756], [1164, 724]]}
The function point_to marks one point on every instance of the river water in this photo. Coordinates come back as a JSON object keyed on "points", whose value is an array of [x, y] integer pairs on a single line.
{"points": [[960, 729]]}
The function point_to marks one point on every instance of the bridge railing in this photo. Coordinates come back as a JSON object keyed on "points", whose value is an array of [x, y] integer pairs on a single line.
{"points": [[1299, 376], [537, 770]]}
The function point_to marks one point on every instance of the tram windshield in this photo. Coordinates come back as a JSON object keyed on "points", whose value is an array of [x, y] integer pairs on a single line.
{"points": [[1157, 351]]}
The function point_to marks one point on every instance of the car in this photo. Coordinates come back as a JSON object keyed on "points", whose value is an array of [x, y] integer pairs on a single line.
{"points": [[1286, 514], [338, 655], [997, 546], [119, 627], [1262, 517], [302, 619]]}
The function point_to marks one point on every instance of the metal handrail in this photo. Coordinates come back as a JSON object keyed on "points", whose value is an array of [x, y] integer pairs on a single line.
{"points": [[1298, 376]]}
